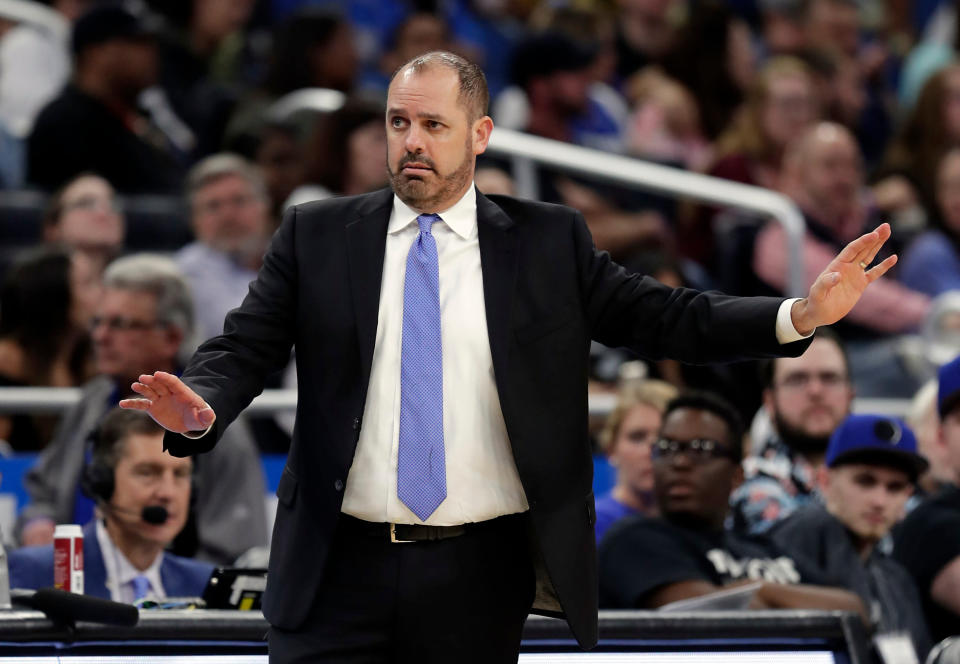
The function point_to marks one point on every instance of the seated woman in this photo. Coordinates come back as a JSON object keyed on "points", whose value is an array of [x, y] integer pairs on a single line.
{"points": [[931, 264], [626, 439], [46, 303]]}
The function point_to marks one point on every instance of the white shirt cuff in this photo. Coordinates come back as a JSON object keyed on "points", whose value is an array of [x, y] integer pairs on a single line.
{"points": [[786, 332], [193, 435]]}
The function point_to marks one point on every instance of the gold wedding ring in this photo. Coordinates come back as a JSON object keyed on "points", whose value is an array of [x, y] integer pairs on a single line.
{"points": [[863, 266]]}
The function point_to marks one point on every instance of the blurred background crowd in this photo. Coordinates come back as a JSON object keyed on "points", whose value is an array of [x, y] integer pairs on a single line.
{"points": [[148, 152]]}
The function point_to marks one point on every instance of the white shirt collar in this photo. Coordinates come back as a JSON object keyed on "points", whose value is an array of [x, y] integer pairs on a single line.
{"points": [[120, 571], [461, 217]]}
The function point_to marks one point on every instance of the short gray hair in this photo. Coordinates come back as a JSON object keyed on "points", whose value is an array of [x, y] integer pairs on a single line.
{"points": [[158, 275], [221, 165]]}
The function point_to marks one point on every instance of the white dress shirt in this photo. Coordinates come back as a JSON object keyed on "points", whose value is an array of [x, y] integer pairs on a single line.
{"points": [[482, 478], [121, 572]]}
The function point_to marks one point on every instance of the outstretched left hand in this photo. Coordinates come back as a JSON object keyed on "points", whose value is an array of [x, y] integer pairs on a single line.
{"points": [[841, 284]]}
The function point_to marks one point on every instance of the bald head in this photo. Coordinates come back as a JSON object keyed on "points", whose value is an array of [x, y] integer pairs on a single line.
{"points": [[819, 137], [473, 94], [823, 173]]}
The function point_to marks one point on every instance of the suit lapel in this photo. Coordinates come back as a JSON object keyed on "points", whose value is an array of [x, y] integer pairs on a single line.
{"points": [[366, 242], [498, 261], [94, 569]]}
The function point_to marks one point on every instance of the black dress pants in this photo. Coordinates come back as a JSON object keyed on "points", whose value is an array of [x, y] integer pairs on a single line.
{"points": [[463, 600]]}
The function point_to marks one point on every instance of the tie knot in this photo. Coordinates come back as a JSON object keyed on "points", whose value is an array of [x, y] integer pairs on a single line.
{"points": [[141, 586], [425, 221]]}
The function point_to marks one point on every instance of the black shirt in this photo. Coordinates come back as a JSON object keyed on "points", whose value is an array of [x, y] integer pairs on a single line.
{"points": [[75, 133], [926, 542], [640, 555], [882, 583]]}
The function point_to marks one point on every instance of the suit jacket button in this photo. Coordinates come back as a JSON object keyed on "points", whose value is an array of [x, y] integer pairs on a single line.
{"points": [[356, 423], [338, 485]]}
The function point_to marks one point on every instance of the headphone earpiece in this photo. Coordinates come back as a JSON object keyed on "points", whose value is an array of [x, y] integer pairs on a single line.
{"points": [[97, 481]]}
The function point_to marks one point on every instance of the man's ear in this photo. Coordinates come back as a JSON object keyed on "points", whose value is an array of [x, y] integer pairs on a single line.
{"points": [[482, 128], [822, 479], [174, 337], [737, 477]]}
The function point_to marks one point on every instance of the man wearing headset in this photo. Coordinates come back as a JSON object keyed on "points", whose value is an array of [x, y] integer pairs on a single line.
{"points": [[143, 498]]}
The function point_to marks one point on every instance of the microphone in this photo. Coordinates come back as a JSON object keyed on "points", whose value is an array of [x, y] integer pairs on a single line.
{"points": [[155, 514], [70, 607], [152, 514]]}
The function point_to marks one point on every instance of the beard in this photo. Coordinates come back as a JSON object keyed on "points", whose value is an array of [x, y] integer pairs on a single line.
{"points": [[419, 193], [799, 440]]}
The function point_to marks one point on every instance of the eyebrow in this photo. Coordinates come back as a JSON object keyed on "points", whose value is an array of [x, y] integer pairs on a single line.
{"points": [[425, 116]]}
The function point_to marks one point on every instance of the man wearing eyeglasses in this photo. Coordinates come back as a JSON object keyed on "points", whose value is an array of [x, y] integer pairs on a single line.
{"points": [[145, 319], [687, 552], [807, 398]]}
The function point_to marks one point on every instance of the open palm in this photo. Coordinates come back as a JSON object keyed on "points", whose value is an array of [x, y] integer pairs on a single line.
{"points": [[842, 282], [172, 404]]}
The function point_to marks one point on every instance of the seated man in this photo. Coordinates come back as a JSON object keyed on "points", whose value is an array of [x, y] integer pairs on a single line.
{"points": [[871, 467], [687, 552], [123, 546]]}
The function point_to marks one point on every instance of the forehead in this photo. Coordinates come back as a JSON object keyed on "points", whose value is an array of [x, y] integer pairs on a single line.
{"points": [[148, 448], [822, 355], [433, 90], [87, 186], [228, 182], [690, 423], [128, 302], [882, 474]]}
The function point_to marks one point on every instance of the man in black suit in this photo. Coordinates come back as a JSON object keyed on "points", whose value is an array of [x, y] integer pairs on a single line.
{"points": [[442, 392]]}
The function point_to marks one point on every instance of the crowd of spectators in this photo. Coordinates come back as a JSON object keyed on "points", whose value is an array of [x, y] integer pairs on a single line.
{"points": [[849, 108]]}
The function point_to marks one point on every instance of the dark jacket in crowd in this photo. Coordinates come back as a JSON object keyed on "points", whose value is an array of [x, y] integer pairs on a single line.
{"points": [[926, 542], [639, 555], [882, 583], [76, 133]]}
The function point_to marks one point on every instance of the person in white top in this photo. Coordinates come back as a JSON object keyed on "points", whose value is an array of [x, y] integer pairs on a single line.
{"points": [[439, 480]]}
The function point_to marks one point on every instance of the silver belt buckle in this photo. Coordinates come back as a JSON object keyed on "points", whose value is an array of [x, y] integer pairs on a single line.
{"points": [[393, 535]]}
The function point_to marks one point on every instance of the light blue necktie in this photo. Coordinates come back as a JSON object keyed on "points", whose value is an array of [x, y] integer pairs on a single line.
{"points": [[141, 587], [421, 463]]}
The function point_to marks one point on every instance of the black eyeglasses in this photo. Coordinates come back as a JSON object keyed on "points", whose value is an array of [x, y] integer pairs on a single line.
{"points": [[122, 323], [698, 450]]}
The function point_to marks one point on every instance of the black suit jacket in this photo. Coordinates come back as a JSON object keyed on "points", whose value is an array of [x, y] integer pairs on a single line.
{"points": [[547, 293]]}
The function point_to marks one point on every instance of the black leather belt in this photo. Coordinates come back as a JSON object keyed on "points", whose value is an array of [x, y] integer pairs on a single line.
{"points": [[409, 532]]}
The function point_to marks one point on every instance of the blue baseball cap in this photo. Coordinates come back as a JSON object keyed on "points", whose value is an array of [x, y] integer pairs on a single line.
{"points": [[948, 390], [876, 440]]}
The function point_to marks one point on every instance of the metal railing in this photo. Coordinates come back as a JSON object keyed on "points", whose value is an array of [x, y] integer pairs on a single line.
{"points": [[525, 151], [54, 400]]}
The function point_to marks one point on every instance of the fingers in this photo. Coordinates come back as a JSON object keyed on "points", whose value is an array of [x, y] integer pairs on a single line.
{"points": [[146, 390], [860, 246], [151, 382], [177, 388], [865, 247], [136, 404], [878, 271], [869, 253]]}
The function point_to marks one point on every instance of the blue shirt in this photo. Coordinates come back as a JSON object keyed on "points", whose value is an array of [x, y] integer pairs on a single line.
{"points": [[609, 510]]}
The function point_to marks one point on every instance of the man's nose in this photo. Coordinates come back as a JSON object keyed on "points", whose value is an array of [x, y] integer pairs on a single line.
{"points": [[414, 140]]}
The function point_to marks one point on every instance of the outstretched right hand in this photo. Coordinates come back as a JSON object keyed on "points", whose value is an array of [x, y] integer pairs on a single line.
{"points": [[171, 404]]}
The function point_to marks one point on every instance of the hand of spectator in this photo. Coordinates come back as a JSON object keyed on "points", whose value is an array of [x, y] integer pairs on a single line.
{"points": [[840, 285], [38, 532], [172, 404]]}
